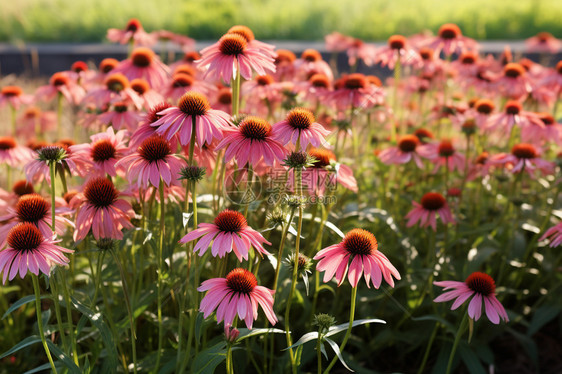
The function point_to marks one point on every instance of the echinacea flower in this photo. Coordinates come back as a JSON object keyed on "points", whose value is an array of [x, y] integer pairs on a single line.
{"points": [[357, 254], [450, 40], [554, 234], [523, 156], [248, 34], [132, 33], [120, 116], [38, 169], [147, 95], [13, 154], [192, 107], [61, 84], [311, 62], [152, 161], [116, 88], [230, 233], [444, 154], [483, 288], [34, 120], [145, 129], [355, 91], [238, 293], [233, 53], [300, 127], [543, 42], [144, 63], [397, 48], [99, 209], [426, 212], [403, 153], [251, 141], [14, 96], [29, 250]]}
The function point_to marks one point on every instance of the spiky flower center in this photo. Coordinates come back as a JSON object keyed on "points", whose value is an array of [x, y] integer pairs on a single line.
{"points": [[284, 56], [311, 55], [155, 148], [32, 208], [300, 118], [24, 237], [152, 116], [133, 25], [194, 104], [32, 112], [397, 42], [484, 106], [120, 107], [241, 281], [513, 70], [482, 158], [189, 57], [7, 143], [544, 36], [426, 53], [408, 143], [481, 283], [264, 80], [423, 134], [23, 187], [103, 150], [360, 242], [100, 192], [140, 86], [116, 82], [319, 81], [79, 66], [524, 150], [255, 128], [355, 81], [468, 58], [52, 153], [108, 64], [513, 107], [243, 31], [225, 96], [449, 31], [142, 57], [59, 79], [11, 91], [182, 80], [232, 44], [433, 201], [230, 221], [547, 119], [446, 148], [323, 157]]}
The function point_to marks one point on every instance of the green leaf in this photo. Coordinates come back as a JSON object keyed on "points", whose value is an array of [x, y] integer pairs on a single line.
{"points": [[198, 324], [66, 360], [304, 339], [24, 343], [45, 367], [541, 317], [471, 361], [246, 333], [107, 337], [338, 353], [339, 328], [207, 361], [24, 300]]}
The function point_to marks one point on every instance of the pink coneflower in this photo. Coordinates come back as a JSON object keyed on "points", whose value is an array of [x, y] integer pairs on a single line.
{"points": [[554, 234], [513, 114], [523, 156], [35, 209], [145, 129], [238, 293], [450, 40], [183, 82], [336, 42], [403, 153], [206, 156], [61, 83], [233, 52], [327, 173], [14, 96], [300, 127], [426, 212], [13, 154], [483, 108], [99, 209], [355, 91], [248, 34], [38, 169], [102, 153], [553, 79], [315, 89], [543, 42], [229, 233], [188, 59], [152, 161], [116, 88], [483, 288], [261, 92], [144, 63], [359, 50], [34, 120], [443, 153], [311, 63], [513, 83], [359, 247], [28, 249], [223, 100], [148, 96], [209, 123], [184, 42], [119, 116], [133, 32], [397, 48], [550, 132], [284, 63], [251, 141]]}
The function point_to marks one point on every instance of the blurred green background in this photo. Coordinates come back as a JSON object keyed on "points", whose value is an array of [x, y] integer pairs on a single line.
{"points": [[88, 21]]}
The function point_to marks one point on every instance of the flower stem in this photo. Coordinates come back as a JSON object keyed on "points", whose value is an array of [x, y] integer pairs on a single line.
{"points": [[286, 227], [348, 332], [319, 353], [460, 331], [236, 92], [66, 294], [159, 288], [52, 171], [59, 115], [229, 368], [397, 71], [13, 112], [40, 321]]}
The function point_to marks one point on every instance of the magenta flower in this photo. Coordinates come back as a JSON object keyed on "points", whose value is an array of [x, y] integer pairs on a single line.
{"points": [[133, 32], [543, 42], [209, 123], [442, 154], [300, 127], [482, 287], [554, 234], [398, 48], [120, 116], [152, 161], [450, 40], [523, 157], [145, 129], [238, 293], [116, 88], [426, 212], [403, 153], [361, 248], [100, 209], [144, 63], [29, 250], [61, 83], [148, 96], [233, 52], [230, 233], [251, 141], [248, 35]]}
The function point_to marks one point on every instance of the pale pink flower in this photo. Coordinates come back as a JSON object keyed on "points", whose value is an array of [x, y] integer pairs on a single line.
{"points": [[284, 65], [119, 116], [238, 293], [525, 157], [148, 96], [35, 120], [483, 288], [116, 88], [153, 161], [232, 53], [38, 169], [513, 83], [13, 154], [426, 212], [145, 64], [442, 154], [336, 42], [183, 82], [61, 83], [315, 89], [359, 50], [450, 40], [311, 63], [229, 233], [554, 234], [550, 132], [29, 250], [300, 127], [398, 47], [145, 129], [513, 114], [248, 34], [133, 33], [357, 254], [553, 79], [262, 92], [543, 42], [184, 42], [355, 91], [403, 153], [100, 209], [251, 141], [14, 96]]}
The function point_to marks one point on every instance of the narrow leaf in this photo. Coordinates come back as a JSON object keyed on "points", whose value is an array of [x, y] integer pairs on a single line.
{"points": [[338, 353], [24, 300], [339, 328]]}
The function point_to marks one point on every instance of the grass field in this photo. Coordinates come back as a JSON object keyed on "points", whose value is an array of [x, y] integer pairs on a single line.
{"points": [[81, 20]]}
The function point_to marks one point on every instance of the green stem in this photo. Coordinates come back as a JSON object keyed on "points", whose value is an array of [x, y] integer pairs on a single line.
{"points": [[13, 112], [428, 349], [40, 321], [397, 71], [236, 92], [52, 171], [460, 331], [286, 227], [58, 314], [229, 368], [66, 294], [159, 288], [348, 332], [319, 353], [59, 115]]}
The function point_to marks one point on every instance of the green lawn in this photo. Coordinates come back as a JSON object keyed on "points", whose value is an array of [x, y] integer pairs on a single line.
{"points": [[83, 20]]}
